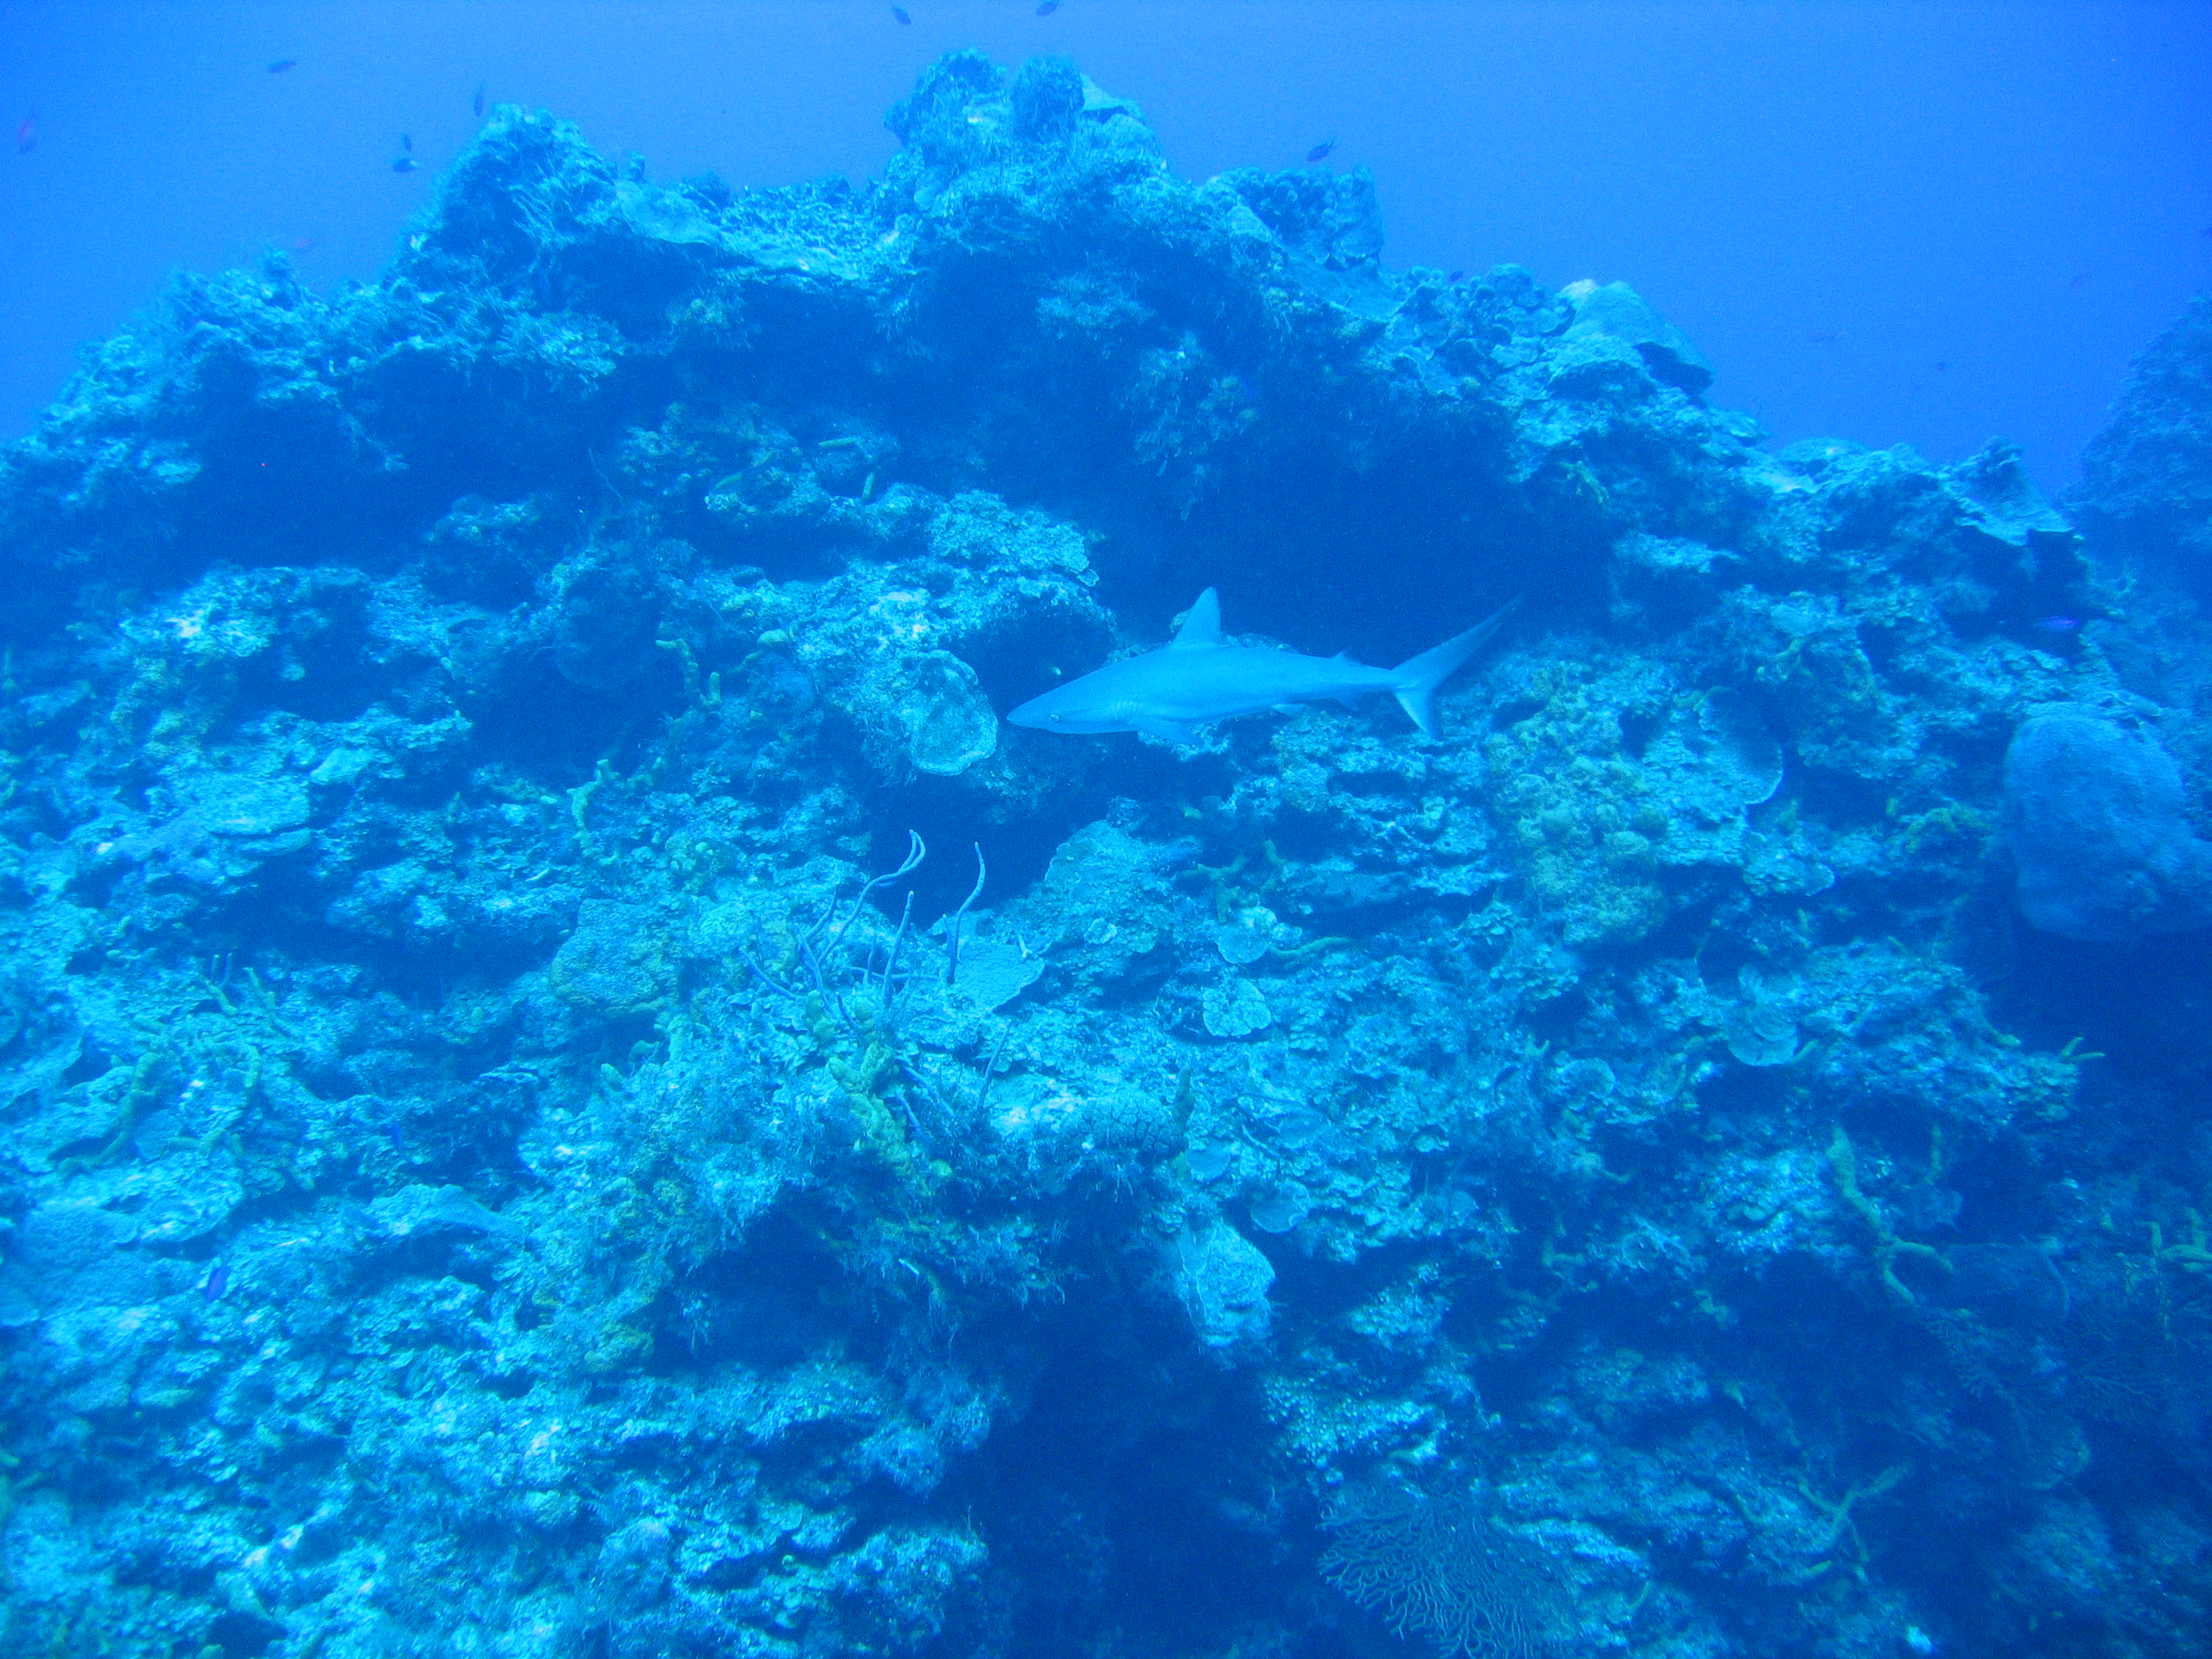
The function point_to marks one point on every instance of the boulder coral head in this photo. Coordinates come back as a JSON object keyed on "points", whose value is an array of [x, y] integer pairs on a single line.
{"points": [[2097, 821]]}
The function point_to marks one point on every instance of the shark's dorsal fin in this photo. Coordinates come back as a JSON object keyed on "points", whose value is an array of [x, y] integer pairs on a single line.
{"points": [[1202, 626]]}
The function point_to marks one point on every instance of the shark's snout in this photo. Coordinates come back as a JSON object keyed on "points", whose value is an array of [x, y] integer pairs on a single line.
{"points": [[1052, 713]]}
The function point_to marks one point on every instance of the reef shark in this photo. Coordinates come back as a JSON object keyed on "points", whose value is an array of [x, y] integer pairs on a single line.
{"points": [[1199, 678]]}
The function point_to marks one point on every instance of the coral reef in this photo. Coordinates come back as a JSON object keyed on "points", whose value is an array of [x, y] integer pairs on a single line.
{"points": [[2146, 492], [568, 1087]]}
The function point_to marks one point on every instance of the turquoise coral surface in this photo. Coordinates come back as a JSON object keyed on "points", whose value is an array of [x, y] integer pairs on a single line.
{"points": [[481, 1170]]}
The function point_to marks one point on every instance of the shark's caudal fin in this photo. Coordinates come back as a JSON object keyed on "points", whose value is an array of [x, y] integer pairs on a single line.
{"points": [[1419, 677]]}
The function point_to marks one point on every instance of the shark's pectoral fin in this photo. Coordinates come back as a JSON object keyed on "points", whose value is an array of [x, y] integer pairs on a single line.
{"points": [[1170, 731]]}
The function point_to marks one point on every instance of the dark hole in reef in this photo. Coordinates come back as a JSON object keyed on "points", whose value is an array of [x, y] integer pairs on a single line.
{"points": [[1014, 855], [437, 1252], [1638, 728], [242, 1635], [1126, 1490], [320, 1540], [92, 958], [1015, 663], [731, 1572], [144, 1561], [767, 1304], [90, 1064], [541, 723], [1513, 711]]}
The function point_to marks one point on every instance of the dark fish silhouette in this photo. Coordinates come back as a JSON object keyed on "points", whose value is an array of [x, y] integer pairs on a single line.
{"points": [[27, 135], [278, 65], [901, 15], [1456, 277], [216, 1282], [407, 143], [407, 164], [476, 104], [2059, 624], [1046, 7], [1321, 151]]}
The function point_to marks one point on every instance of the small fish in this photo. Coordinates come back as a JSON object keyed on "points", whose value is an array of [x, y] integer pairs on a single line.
{"points": [[2060, 624], [216, 1282], [1456, 277], [476, 104], [278, 65], [407, 164], [407, 143], [1321, 151], [1046, 7], [901, 16], [27, 135]]}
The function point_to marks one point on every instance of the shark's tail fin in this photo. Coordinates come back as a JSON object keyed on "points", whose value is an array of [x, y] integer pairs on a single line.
{"points": [[1419, 677]]}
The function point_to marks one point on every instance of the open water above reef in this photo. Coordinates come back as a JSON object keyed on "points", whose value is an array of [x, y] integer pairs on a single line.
{"points": [[570, 1087]]}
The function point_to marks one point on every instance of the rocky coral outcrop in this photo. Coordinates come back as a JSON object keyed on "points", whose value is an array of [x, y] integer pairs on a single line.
{"points": [[497, 1145]]}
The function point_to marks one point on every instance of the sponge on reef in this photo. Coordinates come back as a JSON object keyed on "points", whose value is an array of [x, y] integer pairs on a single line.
{"points": [[2100, 834]]}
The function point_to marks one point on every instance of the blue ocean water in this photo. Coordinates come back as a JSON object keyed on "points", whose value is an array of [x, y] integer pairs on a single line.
{"points": [[1293, 830]]}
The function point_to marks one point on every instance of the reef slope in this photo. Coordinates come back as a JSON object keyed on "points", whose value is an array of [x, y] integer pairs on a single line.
{"points": [[479, 1175]]}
